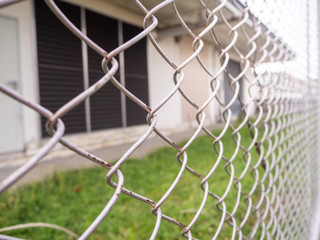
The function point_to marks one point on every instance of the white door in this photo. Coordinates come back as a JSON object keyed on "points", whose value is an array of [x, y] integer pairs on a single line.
{"points": [[11, 132]]}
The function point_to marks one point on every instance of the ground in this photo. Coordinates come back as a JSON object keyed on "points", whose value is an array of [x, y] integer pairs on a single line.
{"points": [[73, 199]]}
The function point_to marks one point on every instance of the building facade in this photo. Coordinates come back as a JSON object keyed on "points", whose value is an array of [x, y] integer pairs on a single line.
{"points": [[47, 64]]}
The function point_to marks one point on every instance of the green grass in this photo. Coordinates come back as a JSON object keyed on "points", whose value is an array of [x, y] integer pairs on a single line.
{"points": [[73, 199]]}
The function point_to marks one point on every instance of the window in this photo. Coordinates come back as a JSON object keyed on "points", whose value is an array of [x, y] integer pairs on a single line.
{"points": [[136, 75], [234, 70], [105, 105], [60, 64], [65, 67]]}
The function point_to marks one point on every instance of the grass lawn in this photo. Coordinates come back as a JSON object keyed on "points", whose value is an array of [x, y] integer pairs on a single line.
{"points": [[73, 199]]}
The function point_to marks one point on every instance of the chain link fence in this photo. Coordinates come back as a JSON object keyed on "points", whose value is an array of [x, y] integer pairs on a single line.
{"points": [[278, 57]]}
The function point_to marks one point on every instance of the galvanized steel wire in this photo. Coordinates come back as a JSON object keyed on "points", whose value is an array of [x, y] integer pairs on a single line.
{"points": [[280, 113]]}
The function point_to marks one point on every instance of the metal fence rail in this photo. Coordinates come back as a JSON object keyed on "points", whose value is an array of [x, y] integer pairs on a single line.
{"points": [[281, 114]]}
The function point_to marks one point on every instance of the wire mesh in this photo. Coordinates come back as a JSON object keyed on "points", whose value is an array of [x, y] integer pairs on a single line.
{"points": [[280, 113]]}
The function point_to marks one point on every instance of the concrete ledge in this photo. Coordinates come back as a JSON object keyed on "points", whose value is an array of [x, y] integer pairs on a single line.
{"points": [[108, 144]]}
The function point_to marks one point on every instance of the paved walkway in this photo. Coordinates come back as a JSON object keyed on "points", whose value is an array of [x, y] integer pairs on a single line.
{"points": [[107, 144]]}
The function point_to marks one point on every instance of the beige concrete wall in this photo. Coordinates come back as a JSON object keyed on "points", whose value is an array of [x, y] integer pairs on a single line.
{"points": [[249, 76], [196, 82], [160, 75]]}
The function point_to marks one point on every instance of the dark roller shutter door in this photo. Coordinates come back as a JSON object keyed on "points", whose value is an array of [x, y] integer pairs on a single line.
{"points": [[105, 104], [136, 75], [60, 64], [234, 70]]}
